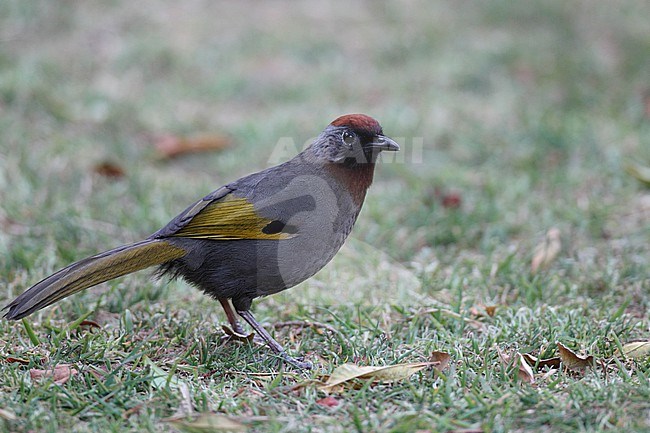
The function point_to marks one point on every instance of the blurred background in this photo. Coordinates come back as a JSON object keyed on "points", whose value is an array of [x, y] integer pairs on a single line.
{"points": [[515, 118], [521, 189]]}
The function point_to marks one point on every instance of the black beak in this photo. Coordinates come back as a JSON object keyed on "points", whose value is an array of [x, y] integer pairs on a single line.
{"points": [[382, 142]]}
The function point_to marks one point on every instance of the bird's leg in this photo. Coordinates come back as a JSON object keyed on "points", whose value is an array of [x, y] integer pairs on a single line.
{"points": [[232, 318], [270, 341]]}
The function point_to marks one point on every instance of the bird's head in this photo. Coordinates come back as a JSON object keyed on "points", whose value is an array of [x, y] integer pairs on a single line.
{"points": [[352, 140]]}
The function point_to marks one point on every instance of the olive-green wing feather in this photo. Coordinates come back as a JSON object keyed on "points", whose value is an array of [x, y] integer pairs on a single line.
{"points": [[223, 216]]}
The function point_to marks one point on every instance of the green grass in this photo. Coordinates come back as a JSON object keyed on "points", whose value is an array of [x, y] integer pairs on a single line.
{"points": [[526, 110]]}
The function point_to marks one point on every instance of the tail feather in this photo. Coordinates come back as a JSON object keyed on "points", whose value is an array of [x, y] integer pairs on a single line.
{"points": [[92, 271]]}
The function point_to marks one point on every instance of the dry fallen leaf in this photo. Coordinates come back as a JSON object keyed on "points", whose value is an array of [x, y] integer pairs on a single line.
{"points": [[171, 146], [109, 169], [636, 349], [542, 363], [348, 374], [547, 251], [22, 361], [573, 361], [451, 200], [208, 422], [440, 360], [328, 401], [525, 373], [59, 374], [90, 324], [483, 310]]}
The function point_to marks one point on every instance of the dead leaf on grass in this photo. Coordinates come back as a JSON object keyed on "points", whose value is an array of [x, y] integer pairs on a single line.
{"points": [[348, 374], [11, 359], [90, 324], [573, 361], [483, 310], [328, 401], [59, 374], [635, 349], [440, 360], [208, 422], [109, 169], [524, 371], [451, 200], [533, 361], [171, 146], [546, 252]]}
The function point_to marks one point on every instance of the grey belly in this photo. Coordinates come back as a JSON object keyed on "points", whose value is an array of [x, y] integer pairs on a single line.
{"points": [[252, 268]]}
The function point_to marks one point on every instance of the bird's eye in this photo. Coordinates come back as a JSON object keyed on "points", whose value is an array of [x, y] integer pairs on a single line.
{"points": [[349, 138]]}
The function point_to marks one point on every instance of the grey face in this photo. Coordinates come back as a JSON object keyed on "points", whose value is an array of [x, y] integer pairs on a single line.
{"points": [[345, 145]]}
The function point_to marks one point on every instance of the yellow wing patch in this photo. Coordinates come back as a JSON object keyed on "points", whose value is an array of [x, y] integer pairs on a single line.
{"points": [[230, 218]]}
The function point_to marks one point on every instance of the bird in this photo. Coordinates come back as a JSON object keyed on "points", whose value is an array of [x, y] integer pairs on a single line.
{"points": [[256, 236]]}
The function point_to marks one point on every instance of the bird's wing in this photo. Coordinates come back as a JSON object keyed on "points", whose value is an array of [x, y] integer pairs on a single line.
{"points": [[224, 216]]}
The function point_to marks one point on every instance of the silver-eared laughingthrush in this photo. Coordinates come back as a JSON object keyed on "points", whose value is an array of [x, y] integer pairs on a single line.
{"points": [[259, 235]]}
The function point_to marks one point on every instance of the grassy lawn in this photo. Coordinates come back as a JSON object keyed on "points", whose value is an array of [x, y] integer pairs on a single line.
{"points": [[516, 119]]}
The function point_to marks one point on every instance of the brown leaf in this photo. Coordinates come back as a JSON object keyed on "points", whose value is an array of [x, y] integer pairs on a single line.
{"points": [[90, 324], [573, 361], [525, 373], [208, 423], [542, 363], [348, 374], [440, 360], [483, 310], [451, 200], [59, 374], [171, 146], [328, 401], [109, 169], [22, 361], [547, 251], [636, 349]]}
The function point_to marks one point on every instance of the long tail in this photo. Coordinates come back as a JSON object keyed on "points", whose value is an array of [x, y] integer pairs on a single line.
{"points": [[91, 271]]}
